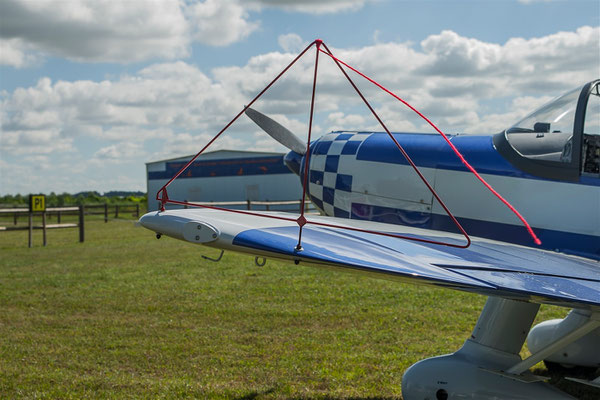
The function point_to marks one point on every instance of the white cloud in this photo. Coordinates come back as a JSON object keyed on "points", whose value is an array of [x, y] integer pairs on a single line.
{"points": [[134, 31], [98, 31], [454, 55], [291, 43], [34, 142], [120, 32], [119, 153], [183, 144], [172, 109], [14, 53], [553, 62], [220, 22], [313, 6], [518, 108], [178, 97], [340, 121]]}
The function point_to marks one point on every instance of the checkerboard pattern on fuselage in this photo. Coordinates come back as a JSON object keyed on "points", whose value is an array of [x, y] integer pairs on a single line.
{"points": [[332, 159]]}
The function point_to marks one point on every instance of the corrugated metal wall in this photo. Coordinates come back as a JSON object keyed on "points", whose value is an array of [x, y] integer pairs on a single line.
{"points": [[225, 176]]}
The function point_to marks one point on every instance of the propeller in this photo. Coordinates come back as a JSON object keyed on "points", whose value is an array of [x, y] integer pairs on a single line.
{"points": [[277, 131]]}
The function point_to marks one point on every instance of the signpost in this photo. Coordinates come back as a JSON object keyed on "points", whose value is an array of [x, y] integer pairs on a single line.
{"points": [[37, 203]]}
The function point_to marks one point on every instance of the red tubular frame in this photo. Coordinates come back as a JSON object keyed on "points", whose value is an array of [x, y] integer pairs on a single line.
{"points": [[163, 197], [458, 154], [302, 220]]}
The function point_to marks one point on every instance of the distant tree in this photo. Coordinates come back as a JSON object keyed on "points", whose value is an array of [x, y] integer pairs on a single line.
{"points": [[52, 200], [66, 199]]}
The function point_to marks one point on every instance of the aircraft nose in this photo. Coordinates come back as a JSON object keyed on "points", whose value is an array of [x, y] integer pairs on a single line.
{"points": [[293, 161]]}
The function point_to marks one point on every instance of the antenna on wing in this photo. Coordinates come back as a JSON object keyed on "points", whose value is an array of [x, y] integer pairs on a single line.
{"points": [[277, 131]]}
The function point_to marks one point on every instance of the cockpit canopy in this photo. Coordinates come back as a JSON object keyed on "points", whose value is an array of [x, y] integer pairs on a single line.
{"points": [[560, 140]]}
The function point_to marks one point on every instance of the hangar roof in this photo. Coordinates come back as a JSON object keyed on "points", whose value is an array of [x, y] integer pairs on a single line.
{"points": [[220, 154]]}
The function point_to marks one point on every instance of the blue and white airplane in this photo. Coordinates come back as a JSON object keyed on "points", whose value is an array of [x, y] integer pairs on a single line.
{"points": [[371, 200]]}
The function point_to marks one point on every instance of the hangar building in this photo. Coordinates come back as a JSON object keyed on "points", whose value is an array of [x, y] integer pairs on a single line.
{"points": [[224, 175]]}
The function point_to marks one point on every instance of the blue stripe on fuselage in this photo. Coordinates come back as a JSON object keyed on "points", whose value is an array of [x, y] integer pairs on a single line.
{"points": [[432, 151], [565, 242]]}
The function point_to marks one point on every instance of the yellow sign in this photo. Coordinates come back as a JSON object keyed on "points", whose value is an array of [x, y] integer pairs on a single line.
{"points": [[37, 202]]}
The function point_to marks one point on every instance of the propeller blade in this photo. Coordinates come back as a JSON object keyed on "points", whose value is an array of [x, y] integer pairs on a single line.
{"points": [[277, 131]]}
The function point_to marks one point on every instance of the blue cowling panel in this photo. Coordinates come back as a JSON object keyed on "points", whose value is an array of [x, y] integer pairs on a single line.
{"points": [[489, 268], [432, 151]]}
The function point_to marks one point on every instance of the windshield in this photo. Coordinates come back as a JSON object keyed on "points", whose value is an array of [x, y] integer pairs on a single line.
{"points": [[546, 133], [590, 163], [592, 114]]}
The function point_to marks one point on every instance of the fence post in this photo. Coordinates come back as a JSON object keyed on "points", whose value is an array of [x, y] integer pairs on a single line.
{"points": [[30, 229], [116, 211], [137, 210], [105, 212], [44, 227], [267, 205], [248, 204], [58, 218], [81, 222], [15, 217]]}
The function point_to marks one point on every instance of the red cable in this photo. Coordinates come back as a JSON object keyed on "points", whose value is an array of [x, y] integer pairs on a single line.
{"points": [[404, 153], [165, 198], [458, 154], [302, 220]]}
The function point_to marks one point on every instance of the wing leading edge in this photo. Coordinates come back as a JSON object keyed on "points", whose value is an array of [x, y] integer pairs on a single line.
{"points": [[486, 267]]}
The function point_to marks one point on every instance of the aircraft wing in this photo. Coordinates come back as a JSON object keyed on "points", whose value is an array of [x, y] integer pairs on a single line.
{"points": [[486, 267]]}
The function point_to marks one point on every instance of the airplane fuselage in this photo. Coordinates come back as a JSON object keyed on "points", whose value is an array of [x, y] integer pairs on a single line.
{"points": [[363, 175]]}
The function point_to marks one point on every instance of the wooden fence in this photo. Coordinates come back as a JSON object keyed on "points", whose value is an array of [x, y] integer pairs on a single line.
{"points": [[59, 212], [45, 226], [90, 209], [107, 210]]}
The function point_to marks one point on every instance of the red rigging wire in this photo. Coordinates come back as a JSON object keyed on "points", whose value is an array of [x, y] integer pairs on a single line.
{"points": [[164, 198], [404, 153], [458, 153], [162, 194], [302, 219]]}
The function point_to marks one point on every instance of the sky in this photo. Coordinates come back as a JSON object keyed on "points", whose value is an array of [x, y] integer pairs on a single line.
{"points": [[90, 91]]}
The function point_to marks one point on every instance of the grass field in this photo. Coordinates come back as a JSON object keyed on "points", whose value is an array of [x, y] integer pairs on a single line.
{"points": [[124, 315]]}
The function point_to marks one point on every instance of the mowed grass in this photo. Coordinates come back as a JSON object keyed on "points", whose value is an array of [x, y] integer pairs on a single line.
{"points": [[124, 315]]}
